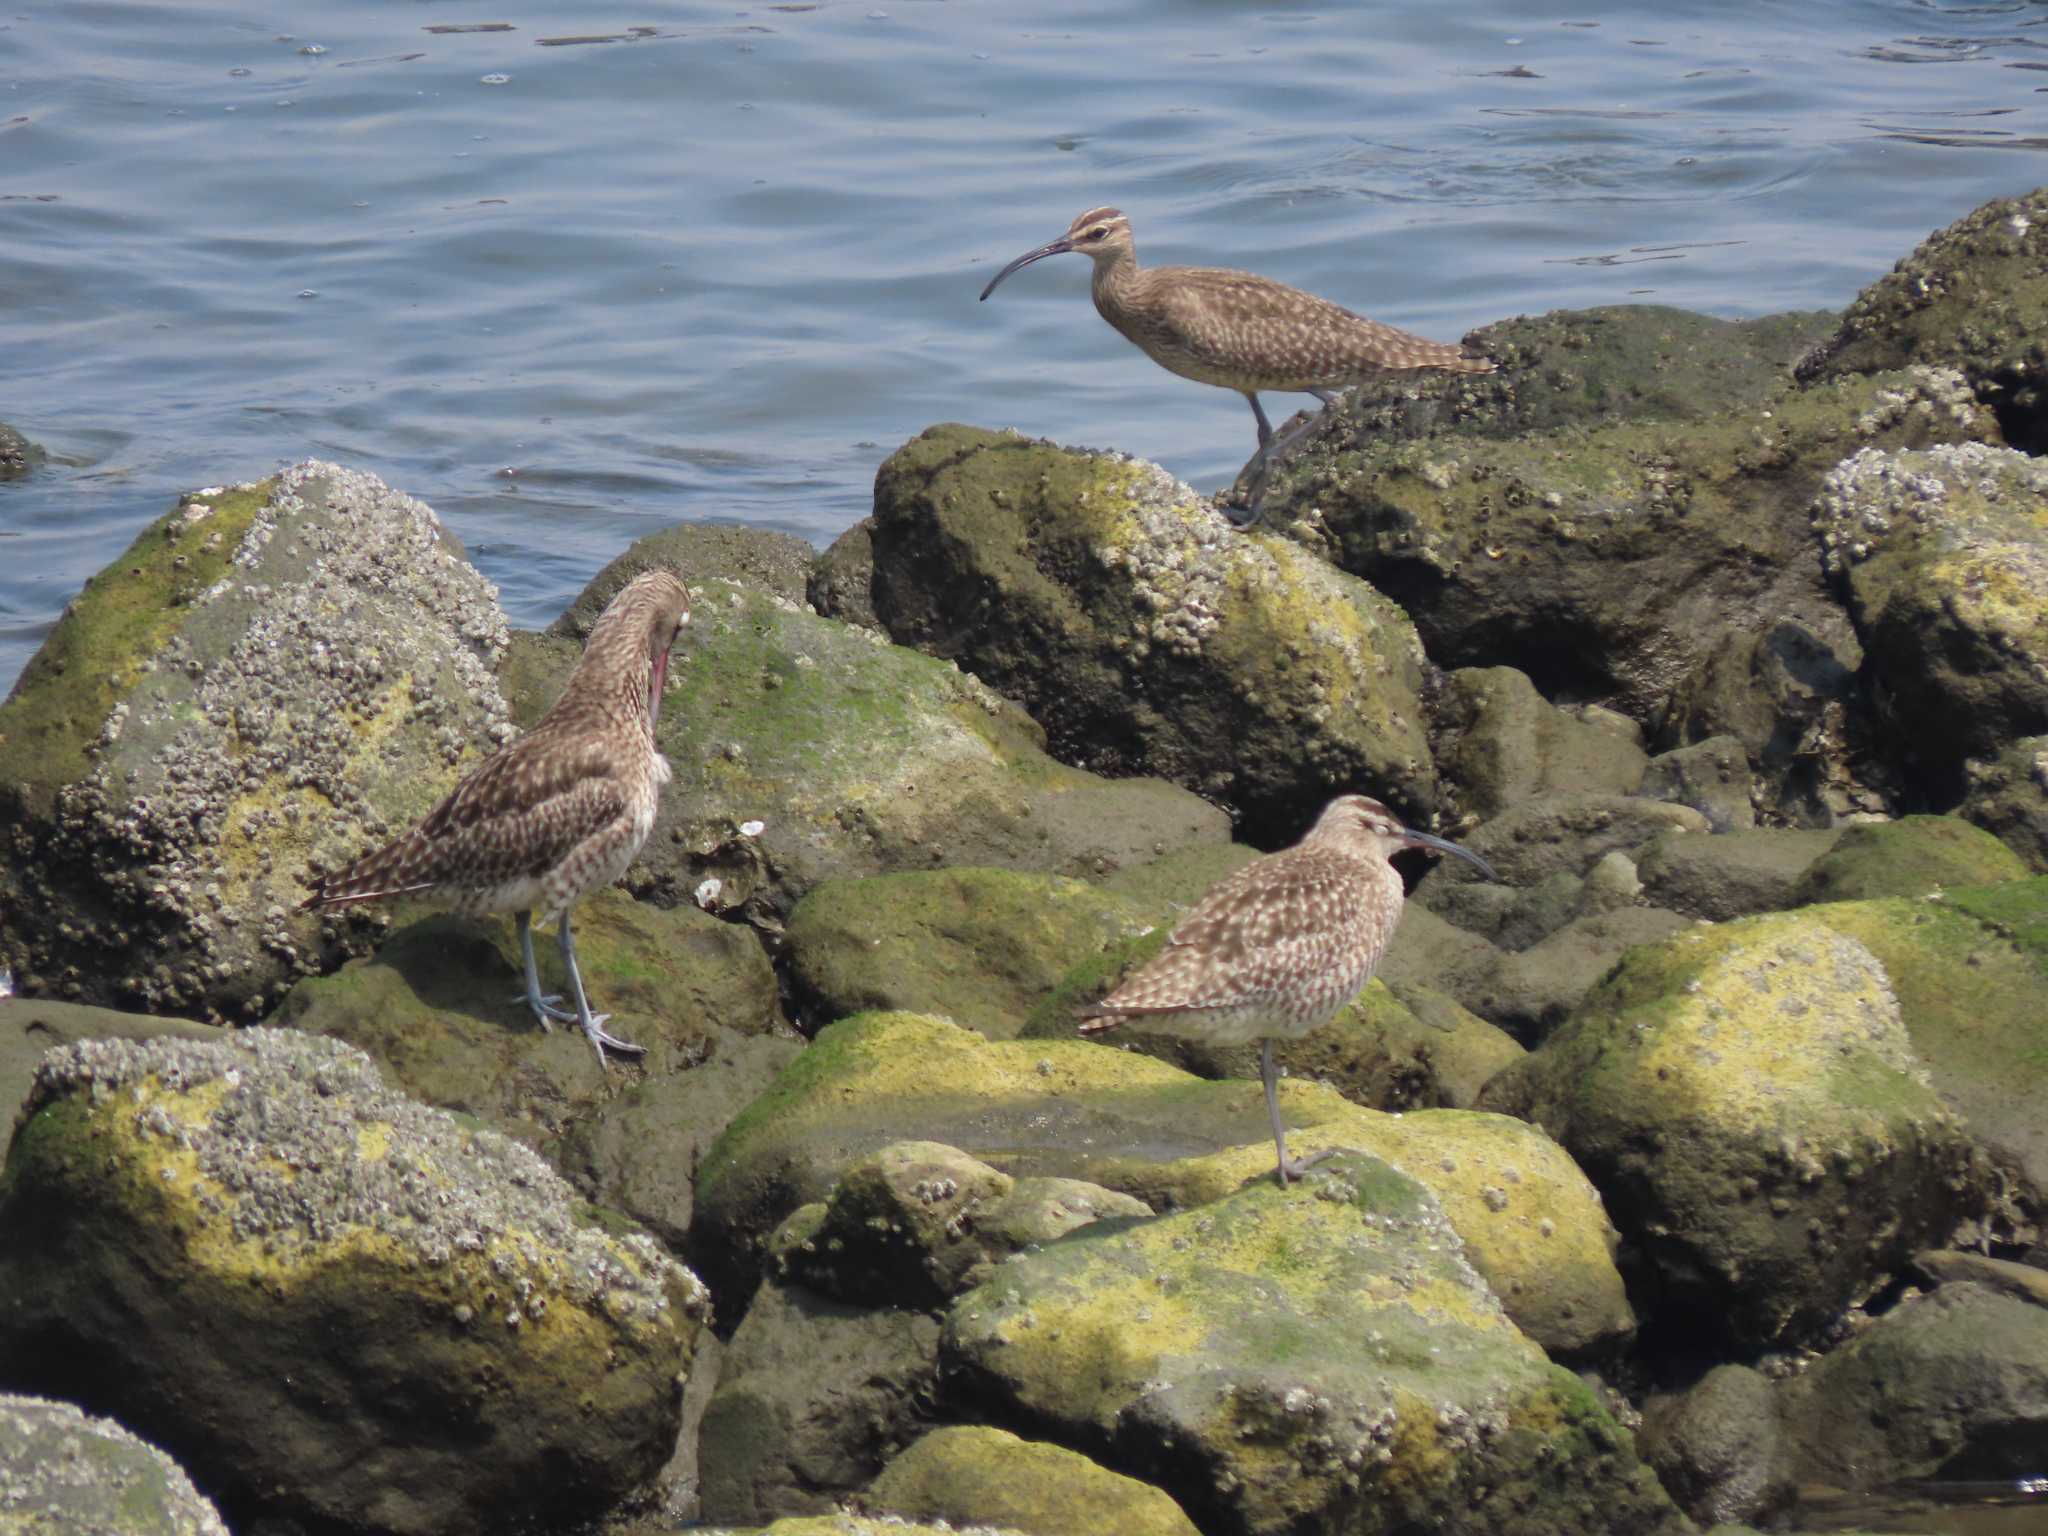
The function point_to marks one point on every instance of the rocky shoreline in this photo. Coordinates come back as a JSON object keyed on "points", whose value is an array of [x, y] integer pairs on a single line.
{"points": [[1697, 1162]]}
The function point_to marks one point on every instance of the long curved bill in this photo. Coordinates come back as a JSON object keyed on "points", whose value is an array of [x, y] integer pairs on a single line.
{"points": [[1445, 845], [1058, 247]]}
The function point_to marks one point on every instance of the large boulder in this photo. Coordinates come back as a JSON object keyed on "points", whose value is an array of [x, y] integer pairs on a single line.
{"points": [[1144, 631], [61, 1471], [1608, 558], [1973, 296], [805, 750], [1943, 557], [1749, 1103], [1314, 1359], [323, 1298], [1078, 1110], [270, 680]]}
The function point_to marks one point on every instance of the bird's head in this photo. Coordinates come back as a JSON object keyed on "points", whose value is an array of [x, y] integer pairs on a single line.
{"points": [[1362, 825], [1102, 234], [633, 635]]}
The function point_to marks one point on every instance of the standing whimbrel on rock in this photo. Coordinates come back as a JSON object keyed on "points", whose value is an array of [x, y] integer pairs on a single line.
{"points": [[558, 812], [1238, 330], [1276, 950]]}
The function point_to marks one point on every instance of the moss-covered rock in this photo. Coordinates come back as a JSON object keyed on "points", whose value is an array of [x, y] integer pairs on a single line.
{"points": [[760, 559], [1943, 557], [1312, 1359], [806, 749], [66, 1472], [1499, 742], [2008, 797], [272, 678], [1750, 1105], [919, 1222], [977, 1475], [1908, 857], [979, 946], [1609, 561], [1973, 296], [813, 1397], [1074, 1109], [322, 1297], [1951, 1386], [1970, 971], [1145, 632]]}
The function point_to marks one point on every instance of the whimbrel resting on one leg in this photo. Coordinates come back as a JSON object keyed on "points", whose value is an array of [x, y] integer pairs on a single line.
{"points": [[558, 812], [1238, 330], [1275, 951]]}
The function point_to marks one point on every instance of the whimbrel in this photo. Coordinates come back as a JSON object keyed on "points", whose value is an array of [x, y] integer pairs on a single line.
{"points": [[1238, 330], [558, 812], [1277, 949]]}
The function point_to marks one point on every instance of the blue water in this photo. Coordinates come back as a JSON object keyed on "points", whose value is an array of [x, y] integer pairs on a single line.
{"points": [[718, 267]]}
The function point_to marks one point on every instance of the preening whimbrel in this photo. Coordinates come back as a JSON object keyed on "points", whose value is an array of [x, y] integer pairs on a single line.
{"points": [[1238, 330], [558, 812], [1277, 949]]}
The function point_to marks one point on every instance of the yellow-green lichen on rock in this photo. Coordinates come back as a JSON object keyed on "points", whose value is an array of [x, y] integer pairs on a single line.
{"points": [[1315, 1358], [1071, 1108], [1749, 1103], [1908, 857], [1142, 628], [269, 681], [320, 1295], [974, 1474]]}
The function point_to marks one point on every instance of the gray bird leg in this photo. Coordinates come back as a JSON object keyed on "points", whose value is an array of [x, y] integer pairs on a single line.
{"points": [[590, 1022], [543, 1007], [1290, 1168]]}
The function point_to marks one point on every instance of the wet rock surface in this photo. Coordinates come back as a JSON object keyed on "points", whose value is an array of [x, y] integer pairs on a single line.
{"points": [[17, 454], [273, 678], [192, 1226], [61, 1470]]}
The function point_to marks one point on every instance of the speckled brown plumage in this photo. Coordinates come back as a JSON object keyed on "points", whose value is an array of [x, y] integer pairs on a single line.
{"points": [[1277, 949], [558, 812], [1238, 330]]}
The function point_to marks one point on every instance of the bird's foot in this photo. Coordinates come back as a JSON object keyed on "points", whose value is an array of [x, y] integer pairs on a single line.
{"points": [[1297, 1167], [544, 1008], [602, 1042]]}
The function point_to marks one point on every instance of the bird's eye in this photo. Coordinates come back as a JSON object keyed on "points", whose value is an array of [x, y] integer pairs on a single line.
{"points": [[1099, 232]]}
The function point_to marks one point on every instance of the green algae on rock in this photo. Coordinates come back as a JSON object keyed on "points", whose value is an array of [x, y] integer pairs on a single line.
{"points": [[271, 677], [1943, 557], [806, 749], [1144, 631], [1751, 1107], [974, 1474], [978, 946], [62, 1471], [1073, 1109], [1319, 1359], [1908, 857], [322, 1296]]}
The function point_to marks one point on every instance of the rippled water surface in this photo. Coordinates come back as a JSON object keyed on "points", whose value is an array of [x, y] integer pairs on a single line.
{"points": [[574, 273]]}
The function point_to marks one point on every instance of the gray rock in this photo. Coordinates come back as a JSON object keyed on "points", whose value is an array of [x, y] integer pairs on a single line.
{"points": [[1944, 562], [842, 584], [778, 564], [61, 1471], [1719, 1448], [1730, 875], [1564, 831], [1711, 776], [2008, 797], [1498, 743], [1951, 1385], [1535, 989], [1145, 632], [322, 1296], [813, 1397], [271, 680]]}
